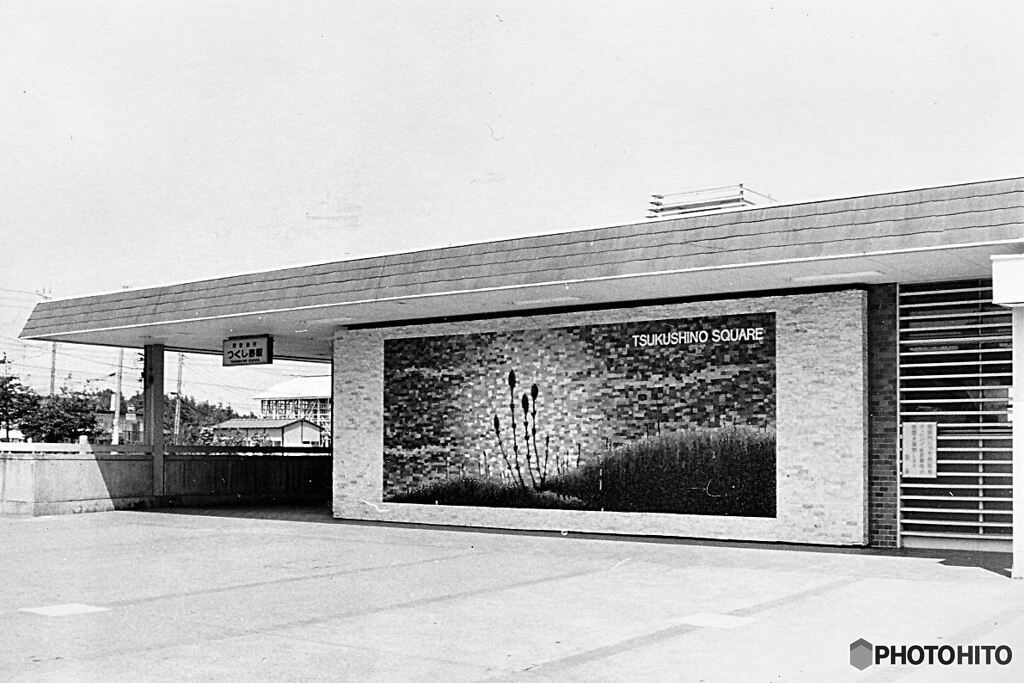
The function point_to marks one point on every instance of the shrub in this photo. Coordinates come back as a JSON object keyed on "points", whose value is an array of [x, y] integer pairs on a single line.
{"points": [[727, 471], [484, 493]]}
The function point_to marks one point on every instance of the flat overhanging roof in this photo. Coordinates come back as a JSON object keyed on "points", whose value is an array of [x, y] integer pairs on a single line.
{"points": [[939, 233]]}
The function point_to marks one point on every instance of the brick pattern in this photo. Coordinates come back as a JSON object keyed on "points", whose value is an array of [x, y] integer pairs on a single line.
{"points": [[883, 425], [407, 468], [821, 416], [598, 390]]}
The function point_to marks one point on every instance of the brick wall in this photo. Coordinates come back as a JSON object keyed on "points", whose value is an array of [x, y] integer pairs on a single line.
{"points": [[821, 413], [882, 422]]}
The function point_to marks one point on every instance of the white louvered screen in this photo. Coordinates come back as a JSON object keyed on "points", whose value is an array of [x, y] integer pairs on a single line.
{"points": [[955, 370]]}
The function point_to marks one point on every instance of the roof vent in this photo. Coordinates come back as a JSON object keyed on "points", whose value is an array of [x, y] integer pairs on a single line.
{"points": [[705, 200]]}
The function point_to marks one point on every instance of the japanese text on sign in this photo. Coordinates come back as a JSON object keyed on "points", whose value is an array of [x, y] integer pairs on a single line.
{"points": [[919, 444], [249, 350]]}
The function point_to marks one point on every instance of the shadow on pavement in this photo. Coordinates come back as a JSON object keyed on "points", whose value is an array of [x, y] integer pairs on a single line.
{"points": [[996, 562]]}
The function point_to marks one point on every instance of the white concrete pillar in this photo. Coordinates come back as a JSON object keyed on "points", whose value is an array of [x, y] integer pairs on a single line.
{"points": [[358, 391], [153, 406], [1018, 442], [1008, 290]]}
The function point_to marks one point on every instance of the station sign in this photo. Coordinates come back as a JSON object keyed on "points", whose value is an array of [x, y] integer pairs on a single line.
{"points": [[256, 350]]}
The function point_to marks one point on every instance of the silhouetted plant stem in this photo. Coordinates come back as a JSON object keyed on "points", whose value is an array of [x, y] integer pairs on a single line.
{"points": [[526, 437], [515, 437], [504, 454], [547, 454], [541, 471]]}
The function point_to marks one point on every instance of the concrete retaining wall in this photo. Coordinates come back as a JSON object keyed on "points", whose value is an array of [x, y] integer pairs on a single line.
{"points": [[41, 479]]}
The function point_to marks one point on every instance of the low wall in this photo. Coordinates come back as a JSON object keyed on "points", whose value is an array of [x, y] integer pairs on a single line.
{"points": [[46, 479]]}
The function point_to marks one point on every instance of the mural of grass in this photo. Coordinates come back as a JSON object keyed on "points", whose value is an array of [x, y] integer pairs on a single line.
{"points": [[485, 493], [726, 471], [582, 417]]}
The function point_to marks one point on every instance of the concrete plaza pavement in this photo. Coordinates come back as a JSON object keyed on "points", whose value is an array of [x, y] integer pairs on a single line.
{"points": [[291, 594]]}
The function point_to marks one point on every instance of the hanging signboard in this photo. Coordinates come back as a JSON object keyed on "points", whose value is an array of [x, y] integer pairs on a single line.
{"points": [[256, 350], [918, 446]]}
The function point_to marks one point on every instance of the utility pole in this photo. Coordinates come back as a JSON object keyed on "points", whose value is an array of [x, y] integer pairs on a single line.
{"points": [[53, 366], [45, 296], [177, 401], [115, 437]]}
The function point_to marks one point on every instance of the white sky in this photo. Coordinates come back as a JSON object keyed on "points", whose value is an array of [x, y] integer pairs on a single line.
{"points": [[152, 142]]}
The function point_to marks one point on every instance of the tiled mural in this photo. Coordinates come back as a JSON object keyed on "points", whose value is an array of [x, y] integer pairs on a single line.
{"points": [[541, 417]]}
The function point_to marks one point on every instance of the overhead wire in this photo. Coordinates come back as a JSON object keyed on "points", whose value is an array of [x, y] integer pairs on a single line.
{"points": [[202, 369]]}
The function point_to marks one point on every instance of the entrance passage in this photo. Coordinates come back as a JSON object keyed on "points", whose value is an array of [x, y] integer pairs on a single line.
{"points": [[955, 370]]}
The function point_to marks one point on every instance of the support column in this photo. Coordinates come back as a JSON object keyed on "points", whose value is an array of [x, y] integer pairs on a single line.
{"points": [[1008, 290], [153, 407], [358, 446], [1017, 406]]}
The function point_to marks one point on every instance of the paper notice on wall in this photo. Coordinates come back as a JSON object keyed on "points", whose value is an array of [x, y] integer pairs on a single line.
{"points": [[919, 448]]}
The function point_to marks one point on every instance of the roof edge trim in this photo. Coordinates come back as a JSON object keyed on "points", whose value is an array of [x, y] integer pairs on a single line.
{"points": [[531, 235], [534, 285]]}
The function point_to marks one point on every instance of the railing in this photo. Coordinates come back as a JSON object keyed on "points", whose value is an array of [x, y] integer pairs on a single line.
{"points": [[247, 450], [84, 447], [146, 449]]}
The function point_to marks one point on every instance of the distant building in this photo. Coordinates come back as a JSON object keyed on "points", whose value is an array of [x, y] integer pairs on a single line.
{"points": [[12, 436], [285, 432], [308, 398], [131, 427]]}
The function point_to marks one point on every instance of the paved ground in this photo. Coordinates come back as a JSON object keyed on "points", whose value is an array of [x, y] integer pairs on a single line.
{"points": [[293, 595]]}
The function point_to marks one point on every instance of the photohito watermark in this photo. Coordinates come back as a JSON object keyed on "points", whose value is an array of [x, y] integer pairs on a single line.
{"points": [[863, 654]]}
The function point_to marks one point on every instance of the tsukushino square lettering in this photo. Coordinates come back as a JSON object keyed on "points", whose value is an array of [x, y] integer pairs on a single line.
{"points": [[716, 336]]}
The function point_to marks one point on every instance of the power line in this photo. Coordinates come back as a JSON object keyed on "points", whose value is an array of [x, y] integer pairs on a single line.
{"points": [[20, 341], [87, 359], [218, 385], [205, 379], [214, 381], [23, 291]]}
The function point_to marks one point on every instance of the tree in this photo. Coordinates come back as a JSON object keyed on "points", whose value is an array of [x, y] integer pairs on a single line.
{"points": [[101, 399], [63, 417], [16, 401], [196, 416]]}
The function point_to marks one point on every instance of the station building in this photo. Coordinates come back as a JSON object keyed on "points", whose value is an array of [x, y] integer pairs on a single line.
{"points": [[835, 372], [307, 398], [271, 432]]}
